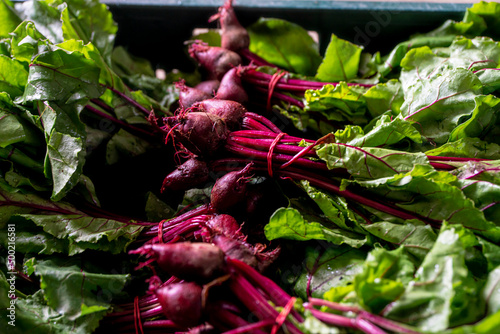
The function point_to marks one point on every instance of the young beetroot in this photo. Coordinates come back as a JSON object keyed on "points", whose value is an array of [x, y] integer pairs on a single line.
{"points": [[191, 261], [215, 60], [231, 87], [230, 190], [189, 95], [192, 173], [200, 132], [231, 112], [233, 36], [236, 249], [208, 86], [224, 224], [182, 303]]}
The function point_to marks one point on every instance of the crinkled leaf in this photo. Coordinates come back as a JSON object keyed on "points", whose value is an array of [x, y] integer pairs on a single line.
{"points": [[383, 279], [384, 133], [434, 195], [74, 291], [12, 129], [156, 209], [325, 267], [491, 291], [91, 22], [443, 293], [383, 97], [13, 76], [125, 145], [284, 44], [369, 162], [27, 42], [441, 103], [46, 14], [338, 103], [9, 18], [334, 208], [468, 147], [72, 230], [414, 236], [341, 61]]}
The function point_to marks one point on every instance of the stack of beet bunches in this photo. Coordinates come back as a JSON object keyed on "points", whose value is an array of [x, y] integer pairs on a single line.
{"points": [[299, 193]]}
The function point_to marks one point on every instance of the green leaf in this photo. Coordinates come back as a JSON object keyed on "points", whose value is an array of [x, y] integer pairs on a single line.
{"points": [[414, 236], [369, 162], [284, 44], [27, 42], [74, 291], [67, 229], [384, 133], [468, 147], [124, 145], [491, 292], [91, 22], [383, 279], [444, 293], [9, 18], [325, 267], [338, 103], [46, 14], [288, 223], [384, 97], [14, 76], [341, 61]]}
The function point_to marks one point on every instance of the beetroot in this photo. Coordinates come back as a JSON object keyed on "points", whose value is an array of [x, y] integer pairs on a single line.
{"points": [[233, 36], [191, 261], [190, 174], [236, 249], [182, 303], [226, 225], [231, 87], [189, 95], [215, 60], [230, 190], [231, 112], [200, 132], [208, 86]]}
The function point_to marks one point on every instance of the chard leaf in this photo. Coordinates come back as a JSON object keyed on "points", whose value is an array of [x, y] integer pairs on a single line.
{"points": [[123, 145], [341, 61], [443, 293], [12, 129], [491, 292], [27, 42], [439, 104], [384, 133], [334, 208], [383, 279], [284, 44], [369, 162], [75, 290], [325, 267], [413, 236], [383, 97], [288, 223], [468, 147], [9, 18], [91, 22], [488, 325], [70, 230], [46, 14], [483, 118], [14, 76], [338, 103], [65, 81], [424, 190]]}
